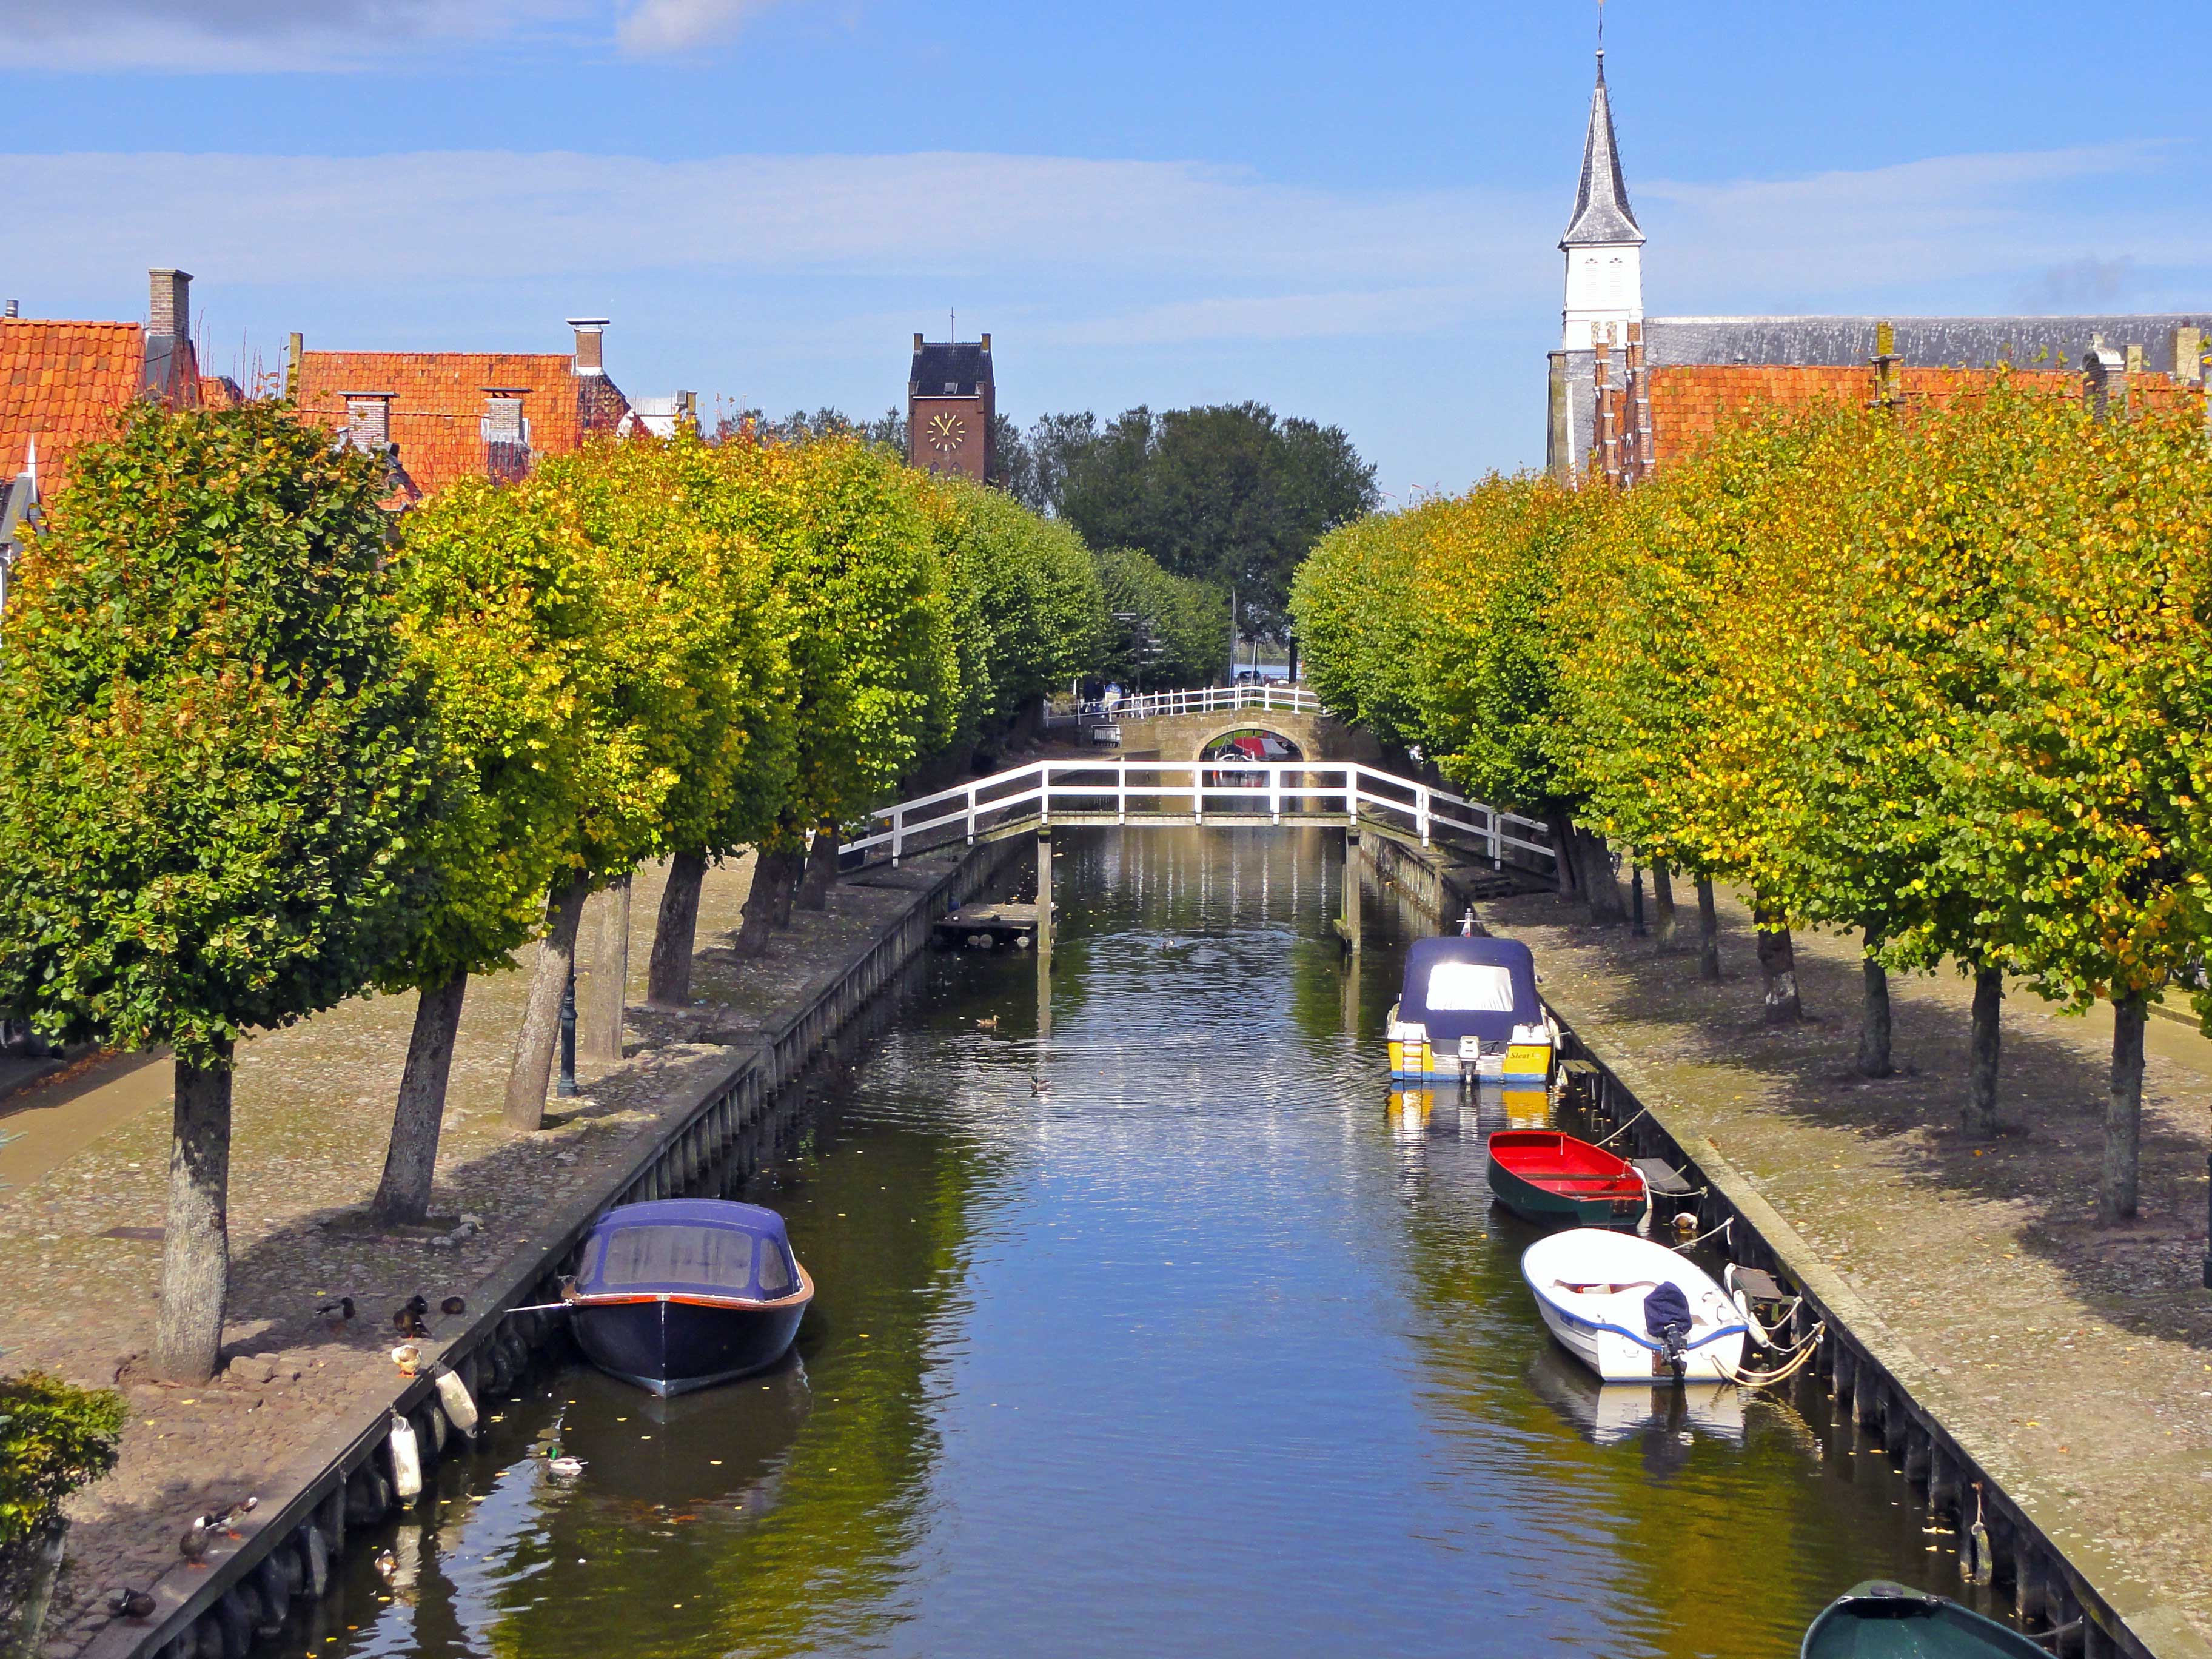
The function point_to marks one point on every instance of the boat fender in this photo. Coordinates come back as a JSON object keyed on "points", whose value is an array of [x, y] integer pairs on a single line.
{"points": [[1752, 1328], [406, 1460], [453, 1395]]}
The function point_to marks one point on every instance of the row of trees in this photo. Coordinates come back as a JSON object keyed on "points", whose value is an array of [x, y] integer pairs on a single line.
{"points": [[269, 747], [1936, 676]]}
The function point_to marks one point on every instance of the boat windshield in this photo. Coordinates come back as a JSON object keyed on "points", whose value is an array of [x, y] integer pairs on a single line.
{"points": [[638, 1258], [1471, 987]]}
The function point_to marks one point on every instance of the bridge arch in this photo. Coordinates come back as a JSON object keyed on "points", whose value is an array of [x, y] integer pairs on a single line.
{"points": [[1286, 745]]}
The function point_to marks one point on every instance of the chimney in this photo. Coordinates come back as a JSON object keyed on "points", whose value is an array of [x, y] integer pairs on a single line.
{"points": [[368, 420], [987, 343], [2135, 361], [171, 311], [506, 441], [2104, 379], [917, 339], [295, 347], [589, 330], [2189, 354], [12, 312]]}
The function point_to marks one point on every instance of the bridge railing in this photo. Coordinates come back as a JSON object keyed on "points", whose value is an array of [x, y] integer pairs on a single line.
{"points": [[1223, 792], [1206, 700]]}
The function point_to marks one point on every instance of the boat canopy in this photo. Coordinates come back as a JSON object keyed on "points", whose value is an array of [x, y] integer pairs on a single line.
{"points": [[695, 1246], [1461, 988]]}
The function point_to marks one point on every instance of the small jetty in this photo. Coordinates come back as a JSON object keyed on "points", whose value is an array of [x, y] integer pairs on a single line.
{"points": [[987, 927]]}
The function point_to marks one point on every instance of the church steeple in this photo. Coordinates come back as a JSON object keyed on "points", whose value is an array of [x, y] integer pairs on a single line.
{"points": [[1604, 244], [1602, 210]]}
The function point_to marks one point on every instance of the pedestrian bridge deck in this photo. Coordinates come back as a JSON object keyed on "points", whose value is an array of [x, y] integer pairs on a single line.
{"points": [[1203, 794]]}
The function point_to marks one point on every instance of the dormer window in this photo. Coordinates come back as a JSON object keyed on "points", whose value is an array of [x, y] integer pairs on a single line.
{"points": [[951, 386]]}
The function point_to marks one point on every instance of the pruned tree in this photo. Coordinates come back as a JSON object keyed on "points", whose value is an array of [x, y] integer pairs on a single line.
{"points": [[219, 766]]}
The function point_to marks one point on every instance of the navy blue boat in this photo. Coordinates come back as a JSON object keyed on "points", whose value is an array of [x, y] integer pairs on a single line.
{"points": [[685, 1292]]}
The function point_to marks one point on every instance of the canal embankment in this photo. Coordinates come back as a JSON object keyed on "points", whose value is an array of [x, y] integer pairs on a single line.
{"points": [[1983, 1328], [303, 1416]]}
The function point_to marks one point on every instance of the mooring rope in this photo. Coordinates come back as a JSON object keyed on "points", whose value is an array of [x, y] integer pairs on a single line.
{"points": [[1767, 1379], [1623, 1129]]}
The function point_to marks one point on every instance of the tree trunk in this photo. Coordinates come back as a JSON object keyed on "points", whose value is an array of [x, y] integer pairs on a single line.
{"points": [[1873, 1020], [1663, 906], [821, 867], [532, 1071], [789, 866], [1980, 1121], [1563, 852], [1709, 934], [771, 870], [1598, 883], [2115, 1198], [402, 1196], [196, 1243], [1778, 961], [676, 933]]}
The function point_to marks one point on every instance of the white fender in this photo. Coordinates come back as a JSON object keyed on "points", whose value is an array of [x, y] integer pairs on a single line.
{"points": [[406, 1461], [453, 1395]]}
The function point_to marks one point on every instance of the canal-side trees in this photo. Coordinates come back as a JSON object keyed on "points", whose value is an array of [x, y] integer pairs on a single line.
{"points": [[1929, 675], [1163, 630], [217, 762]]}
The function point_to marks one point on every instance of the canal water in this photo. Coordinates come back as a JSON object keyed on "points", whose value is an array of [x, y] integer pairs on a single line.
{"points": [[1157, 1326]]}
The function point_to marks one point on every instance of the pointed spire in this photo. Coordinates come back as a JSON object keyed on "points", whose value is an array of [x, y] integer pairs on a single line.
{"points": [[1602, 210]]}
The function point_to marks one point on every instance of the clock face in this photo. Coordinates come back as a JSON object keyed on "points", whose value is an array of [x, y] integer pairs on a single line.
{"points": [[946, 432]]}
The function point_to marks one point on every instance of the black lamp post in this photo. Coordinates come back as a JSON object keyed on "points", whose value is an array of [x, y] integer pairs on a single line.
{"points": [[566, 1088]]}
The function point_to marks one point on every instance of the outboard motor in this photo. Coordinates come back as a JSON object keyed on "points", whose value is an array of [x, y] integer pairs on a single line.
{"points": [[1667, 1317]]}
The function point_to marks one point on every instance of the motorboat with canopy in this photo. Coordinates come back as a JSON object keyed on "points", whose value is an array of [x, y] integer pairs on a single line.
{"points": [[1469, 1009], [682, 1293]]}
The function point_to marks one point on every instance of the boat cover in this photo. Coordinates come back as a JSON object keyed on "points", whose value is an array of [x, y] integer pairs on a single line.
{"points": [[695, 1246], [1665, 1308], [1462, 987]]}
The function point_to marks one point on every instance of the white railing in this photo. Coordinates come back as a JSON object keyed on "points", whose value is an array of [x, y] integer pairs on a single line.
{"points": [[1226, 794], [1206, 700]]}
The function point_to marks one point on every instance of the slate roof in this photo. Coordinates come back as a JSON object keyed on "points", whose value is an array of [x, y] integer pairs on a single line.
{"points": [[63, 383], [1602, 211], [438, 403], [949, 369], [1922, 342]]}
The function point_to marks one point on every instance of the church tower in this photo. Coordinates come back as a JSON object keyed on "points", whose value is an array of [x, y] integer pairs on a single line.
{"points": [[1603, 243]]}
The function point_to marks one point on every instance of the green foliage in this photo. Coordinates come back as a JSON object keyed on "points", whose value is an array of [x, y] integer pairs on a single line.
{"points": [[218, 760], [1358, 630], [54, 1438], [1162, 631], [1029, 612], [1232, 495]]}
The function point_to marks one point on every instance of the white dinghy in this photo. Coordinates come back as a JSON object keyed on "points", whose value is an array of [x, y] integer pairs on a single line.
{"points": [[1603, 1294]]}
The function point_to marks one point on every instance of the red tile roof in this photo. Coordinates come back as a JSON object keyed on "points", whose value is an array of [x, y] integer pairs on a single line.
{"points": [[438, 402], [1691, 402], [61, 384]]}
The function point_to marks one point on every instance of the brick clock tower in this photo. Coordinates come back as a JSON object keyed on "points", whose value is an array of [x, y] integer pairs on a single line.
{"points": [[949, 402]]}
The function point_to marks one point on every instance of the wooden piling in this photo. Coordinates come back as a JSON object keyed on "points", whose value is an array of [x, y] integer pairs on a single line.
{"points": [[1347, 925]]}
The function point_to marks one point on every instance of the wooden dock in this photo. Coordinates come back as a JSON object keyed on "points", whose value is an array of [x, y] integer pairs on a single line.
{"points": [[987, 927]]}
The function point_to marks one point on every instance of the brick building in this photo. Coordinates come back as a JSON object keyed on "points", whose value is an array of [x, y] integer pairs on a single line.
{"points": [[1628, 393], [447, 415], [63, 383], [951, 403]]}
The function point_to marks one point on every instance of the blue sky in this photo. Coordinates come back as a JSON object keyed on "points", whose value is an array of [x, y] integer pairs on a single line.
{"points": [[1345, 211]]}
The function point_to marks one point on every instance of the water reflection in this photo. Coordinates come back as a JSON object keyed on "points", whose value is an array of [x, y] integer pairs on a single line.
{"points": [[1153, 1324]]}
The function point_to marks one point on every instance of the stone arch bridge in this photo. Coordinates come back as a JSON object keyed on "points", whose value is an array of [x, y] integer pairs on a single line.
{"points": [[1182, 726]]}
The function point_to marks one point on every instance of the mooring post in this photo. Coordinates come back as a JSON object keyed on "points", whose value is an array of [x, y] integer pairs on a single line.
{"points": [[1347, 927], [602, 987], [1044, 892]]}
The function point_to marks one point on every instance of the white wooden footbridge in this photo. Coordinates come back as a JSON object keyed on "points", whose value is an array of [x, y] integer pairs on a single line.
{"points": [[1268, 697], [1202, 794]]}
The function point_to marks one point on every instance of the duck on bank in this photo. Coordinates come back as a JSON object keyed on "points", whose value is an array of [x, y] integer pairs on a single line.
{"points": [[682, 1293]]}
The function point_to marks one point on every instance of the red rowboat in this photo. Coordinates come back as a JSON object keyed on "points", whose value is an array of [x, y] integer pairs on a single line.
{"points": [[1544, 1176]]}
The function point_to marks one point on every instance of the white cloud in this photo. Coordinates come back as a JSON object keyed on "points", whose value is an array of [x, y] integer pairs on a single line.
{"points": [[1788, 242], [652, 27], [479, 215], [262, 35]]}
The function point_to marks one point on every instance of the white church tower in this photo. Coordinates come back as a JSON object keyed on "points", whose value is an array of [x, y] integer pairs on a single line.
{"points": [[1603, 245]]}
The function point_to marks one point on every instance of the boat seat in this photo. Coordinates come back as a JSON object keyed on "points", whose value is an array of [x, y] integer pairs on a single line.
{"points": [[1663, 1182], [1759, 1285]]}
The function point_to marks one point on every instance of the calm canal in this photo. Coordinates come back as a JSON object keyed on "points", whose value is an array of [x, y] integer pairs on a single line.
{"points": [[1149, 1329]]}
